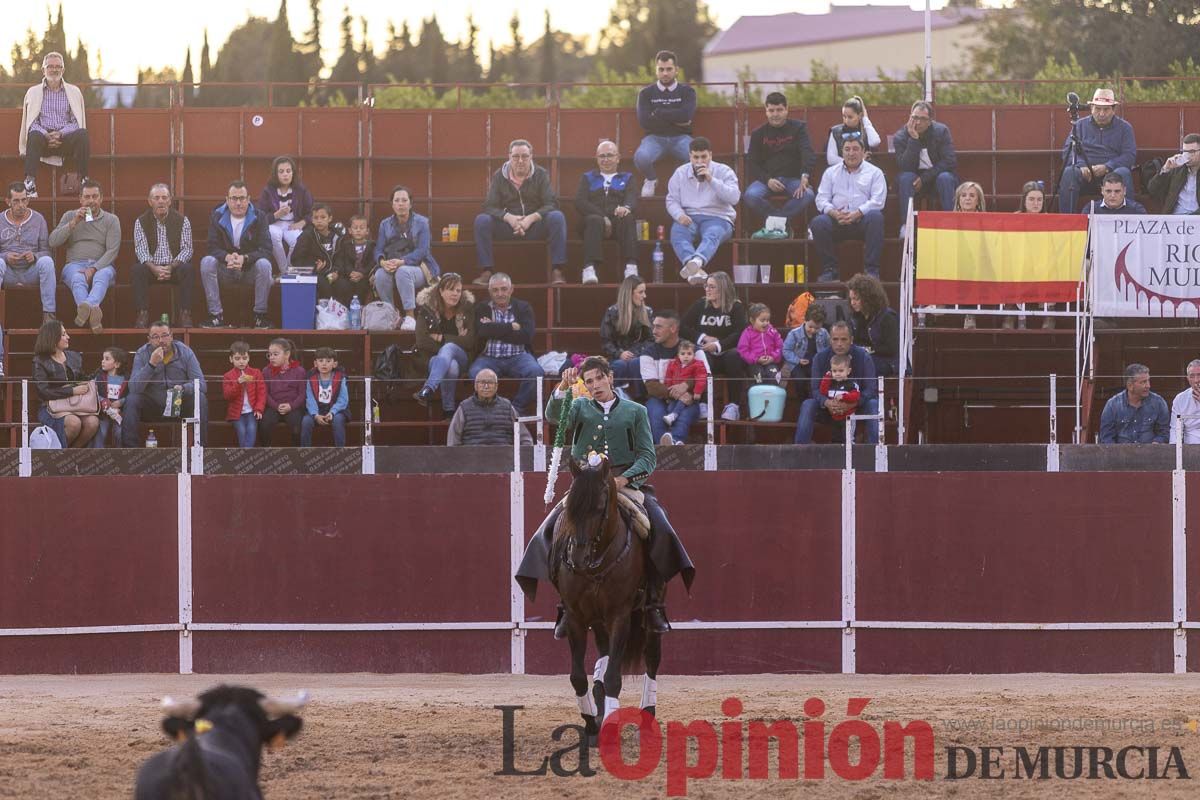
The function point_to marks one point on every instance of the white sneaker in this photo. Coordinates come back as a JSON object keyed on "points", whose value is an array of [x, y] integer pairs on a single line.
{"points": [[409, 324], [667, 439], [969, 322], [589, 275], [731, 413], [670, 418], [693, 272], [631, 269], [648, 188]]}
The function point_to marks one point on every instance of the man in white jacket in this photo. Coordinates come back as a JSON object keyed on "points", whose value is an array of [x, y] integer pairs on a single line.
{"points": [[1187, 405], [701, 196], [53, 124]]}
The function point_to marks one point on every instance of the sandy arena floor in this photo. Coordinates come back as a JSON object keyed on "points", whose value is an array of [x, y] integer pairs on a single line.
{"points": [[437, 736]]}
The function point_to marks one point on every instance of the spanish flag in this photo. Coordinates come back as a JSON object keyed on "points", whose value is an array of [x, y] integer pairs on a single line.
{"points": [[975, 258]]}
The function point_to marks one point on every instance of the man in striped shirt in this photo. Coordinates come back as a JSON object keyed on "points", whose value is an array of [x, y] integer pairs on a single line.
{"points": [[53, 124]]}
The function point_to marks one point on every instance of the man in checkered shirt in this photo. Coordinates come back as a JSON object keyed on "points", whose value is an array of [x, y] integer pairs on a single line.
{"points": [[53, 124], [162, 242], [504, 328]]}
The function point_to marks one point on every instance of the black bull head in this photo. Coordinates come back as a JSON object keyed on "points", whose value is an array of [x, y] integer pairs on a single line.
{"points": [[221, 734]]}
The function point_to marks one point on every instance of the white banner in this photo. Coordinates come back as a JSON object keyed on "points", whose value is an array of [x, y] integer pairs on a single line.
{"points": [[1146, 266]]}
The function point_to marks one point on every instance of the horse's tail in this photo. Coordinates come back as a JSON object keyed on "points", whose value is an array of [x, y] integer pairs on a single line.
{"points": [[635, 645]]}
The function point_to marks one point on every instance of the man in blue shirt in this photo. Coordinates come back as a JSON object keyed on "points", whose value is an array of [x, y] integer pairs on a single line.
{"points": [[1113, 201], [1136, 415], [1106, 145], [862, 371]]}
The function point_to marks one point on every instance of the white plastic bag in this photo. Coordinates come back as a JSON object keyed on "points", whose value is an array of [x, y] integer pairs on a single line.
{"points": [[332, 315], [44, 438], [552, 363]]}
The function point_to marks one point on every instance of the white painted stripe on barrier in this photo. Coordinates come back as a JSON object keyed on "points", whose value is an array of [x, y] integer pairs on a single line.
{"points": [[350, 626], [368, 460], [1179, 563], [516, 547], [183, 512], [1015, 626], [87, 630], [849, 566], [1052, 453]]}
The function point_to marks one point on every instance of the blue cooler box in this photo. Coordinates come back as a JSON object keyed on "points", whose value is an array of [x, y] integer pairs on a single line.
{"points": [[766, 402], [298, 296]]}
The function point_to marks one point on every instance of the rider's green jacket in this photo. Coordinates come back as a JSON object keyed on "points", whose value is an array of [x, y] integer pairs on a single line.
{"points": [[622, 433]]}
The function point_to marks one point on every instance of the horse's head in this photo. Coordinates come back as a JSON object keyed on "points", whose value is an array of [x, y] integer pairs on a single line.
{"points": [[591, 505]]}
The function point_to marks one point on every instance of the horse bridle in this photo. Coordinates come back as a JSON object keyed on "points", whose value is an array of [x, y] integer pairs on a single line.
{"points": [[587, 570]]}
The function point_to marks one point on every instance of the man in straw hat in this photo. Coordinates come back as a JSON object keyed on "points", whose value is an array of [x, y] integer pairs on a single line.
{"points": [[1105, 144]]}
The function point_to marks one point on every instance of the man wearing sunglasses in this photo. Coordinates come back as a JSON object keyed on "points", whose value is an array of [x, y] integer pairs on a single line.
{"points": [[1175, 185], [926, 159]]}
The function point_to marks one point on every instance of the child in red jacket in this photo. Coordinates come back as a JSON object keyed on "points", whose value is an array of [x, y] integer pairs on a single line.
{"points": [[684, 368], [836, 385], [246, 393]]}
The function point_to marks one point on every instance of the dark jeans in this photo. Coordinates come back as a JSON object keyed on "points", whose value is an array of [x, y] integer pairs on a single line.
{"points": [[142, 407], [271, 417], [338, 424], [826, 232], [944, 186], [183, 276], [624, 230], [74, 148], [345, 290]]}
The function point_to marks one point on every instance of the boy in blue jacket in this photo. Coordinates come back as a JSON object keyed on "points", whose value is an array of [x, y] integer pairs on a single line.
{"points": [[326, 399]]}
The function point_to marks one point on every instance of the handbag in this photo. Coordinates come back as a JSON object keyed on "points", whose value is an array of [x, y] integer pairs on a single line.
{"points": [[86, 404]]}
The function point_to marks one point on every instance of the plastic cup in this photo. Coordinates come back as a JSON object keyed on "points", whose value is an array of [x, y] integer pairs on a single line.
{"points": [[454, 231], [764, 272]]}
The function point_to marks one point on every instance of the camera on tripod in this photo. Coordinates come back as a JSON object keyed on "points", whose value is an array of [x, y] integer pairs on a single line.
{"points": [[1073, 106]]}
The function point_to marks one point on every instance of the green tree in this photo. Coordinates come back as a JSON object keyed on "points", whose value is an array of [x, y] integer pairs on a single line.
{"points": [[397, 63], [286, 62], [515, 61], [1107, 37], [242, 59], [432, 53], [187, 80], [548, 48], [206, 74], [347, 68], [637, 29]]}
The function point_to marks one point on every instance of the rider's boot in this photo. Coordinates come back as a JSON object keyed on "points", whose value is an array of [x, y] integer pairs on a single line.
{"points": [[656, 607], [560, 624]]}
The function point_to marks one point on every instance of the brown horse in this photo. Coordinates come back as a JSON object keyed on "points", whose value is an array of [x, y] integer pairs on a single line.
{"points": [[598, 566]]}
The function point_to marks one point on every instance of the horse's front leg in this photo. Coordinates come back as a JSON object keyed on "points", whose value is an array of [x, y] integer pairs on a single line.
{"points": [[577, 637], [618, 637]]}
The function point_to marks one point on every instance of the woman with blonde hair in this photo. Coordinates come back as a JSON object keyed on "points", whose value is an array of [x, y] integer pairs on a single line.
{"points": [[969, 197], [625, 330], [715, 323], [854, 120]]}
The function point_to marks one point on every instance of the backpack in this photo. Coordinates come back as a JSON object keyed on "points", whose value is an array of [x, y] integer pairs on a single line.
{"points": [[379, 316], [837, 309], [797, 310], [392, 367]]}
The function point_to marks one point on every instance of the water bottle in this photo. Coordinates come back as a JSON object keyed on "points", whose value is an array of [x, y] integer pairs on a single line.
{"points": [[355, 313], [657, 258], [151, 440]]}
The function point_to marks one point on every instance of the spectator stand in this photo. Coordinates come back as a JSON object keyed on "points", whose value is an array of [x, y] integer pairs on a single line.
{"points": [[953, 354]]}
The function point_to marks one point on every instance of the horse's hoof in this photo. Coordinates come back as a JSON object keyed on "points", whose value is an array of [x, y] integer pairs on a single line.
{"points": [[598, 696], [590, 728], [649, 710]]}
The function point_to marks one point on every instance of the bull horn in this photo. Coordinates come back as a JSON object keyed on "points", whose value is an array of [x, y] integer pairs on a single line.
{"points": [[183, 709], [277, 707]]}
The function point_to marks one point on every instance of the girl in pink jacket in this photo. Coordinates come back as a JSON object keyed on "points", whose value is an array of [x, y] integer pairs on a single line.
{"points": [[761, 346]]}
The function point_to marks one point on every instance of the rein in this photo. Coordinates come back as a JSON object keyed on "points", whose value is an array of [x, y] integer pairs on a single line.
{"points": [[588, 570]]}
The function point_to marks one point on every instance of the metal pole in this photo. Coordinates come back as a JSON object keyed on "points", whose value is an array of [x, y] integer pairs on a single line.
{"points": [[1053, 408], [368, 414], [928, 55]]}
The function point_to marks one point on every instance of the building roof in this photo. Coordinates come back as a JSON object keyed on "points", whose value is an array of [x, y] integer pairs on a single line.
{"points": [[839, 24]]}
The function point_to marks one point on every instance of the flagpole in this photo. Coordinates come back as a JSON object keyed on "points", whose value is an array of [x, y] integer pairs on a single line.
{"points": [[928, 56]]}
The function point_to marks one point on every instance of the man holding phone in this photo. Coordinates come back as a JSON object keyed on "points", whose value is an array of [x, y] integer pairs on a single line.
{"points": [[1175, 185], [701, 196], [159, 366]]}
